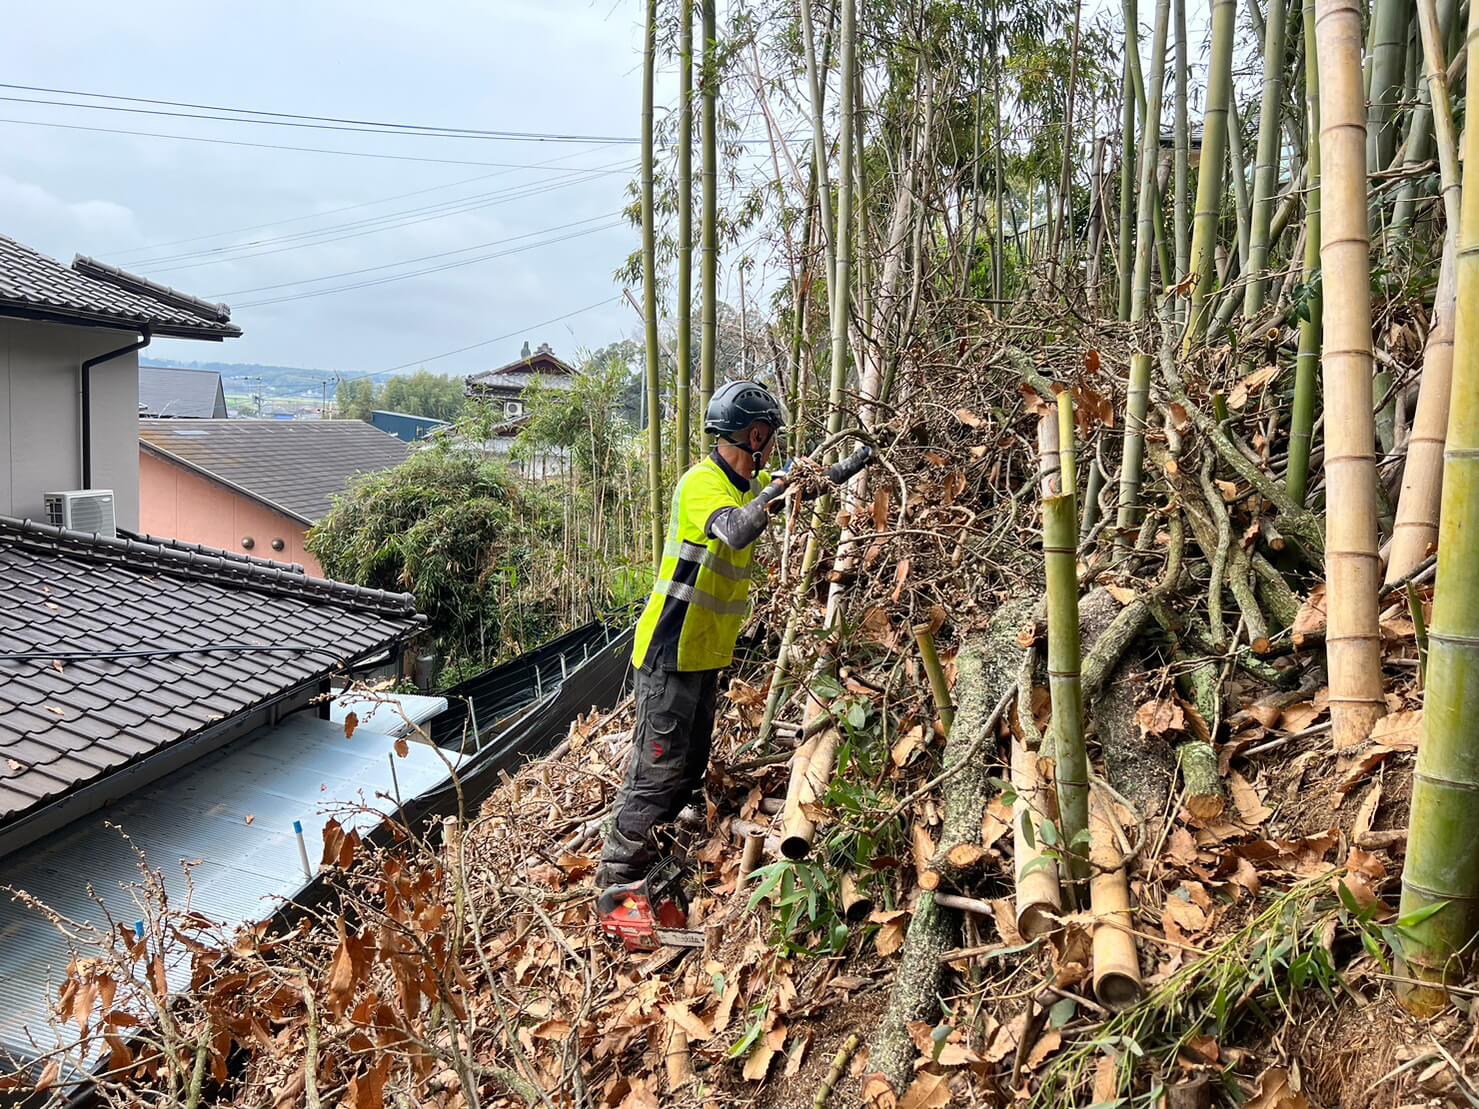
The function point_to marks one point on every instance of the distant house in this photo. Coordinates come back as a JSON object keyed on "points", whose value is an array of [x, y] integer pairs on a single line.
{"points": [[253, 486], [169, 392], [506, 384], [404, 426], [69, 377]]}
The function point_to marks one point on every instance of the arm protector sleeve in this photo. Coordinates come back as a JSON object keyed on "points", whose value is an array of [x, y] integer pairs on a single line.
{"points": [[739, 527]]}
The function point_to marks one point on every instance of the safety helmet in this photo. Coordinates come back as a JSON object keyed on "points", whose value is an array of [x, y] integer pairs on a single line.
{"points": [[738, 404]]}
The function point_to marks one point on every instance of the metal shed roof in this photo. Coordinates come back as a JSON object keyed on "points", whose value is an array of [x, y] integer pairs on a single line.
{"points": [[303, 769]]}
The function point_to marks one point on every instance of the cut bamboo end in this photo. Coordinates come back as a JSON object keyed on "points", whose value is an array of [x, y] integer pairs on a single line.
{"points": [[856, 904], [677, 1059], [811, 771], [754, 851], [1117, 982], [1039, 901]]}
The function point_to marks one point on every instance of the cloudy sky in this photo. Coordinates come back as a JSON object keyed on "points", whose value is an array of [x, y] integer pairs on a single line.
{"points": [[571, 67]]}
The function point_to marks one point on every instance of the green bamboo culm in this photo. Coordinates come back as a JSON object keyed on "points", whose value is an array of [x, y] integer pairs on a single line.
{"points": [[649, 293], [1127, 177], [709, 269], [1440, 880], [1390, 21], [1307, 363], [1181, 226], [1266, 168], [684, 431], [1137, 398], [1211, 170], [838, 292], [1060, 546], [1067, 458]]}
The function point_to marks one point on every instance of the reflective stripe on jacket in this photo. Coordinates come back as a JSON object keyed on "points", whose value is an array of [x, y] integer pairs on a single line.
{"points": [[701, 595]]}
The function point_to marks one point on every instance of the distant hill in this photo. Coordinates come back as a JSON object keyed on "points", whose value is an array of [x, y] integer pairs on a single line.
{"points": [[243, 377]]}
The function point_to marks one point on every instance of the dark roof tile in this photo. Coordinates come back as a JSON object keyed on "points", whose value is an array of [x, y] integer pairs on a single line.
{"points": [[125, 594], [35, 286]]}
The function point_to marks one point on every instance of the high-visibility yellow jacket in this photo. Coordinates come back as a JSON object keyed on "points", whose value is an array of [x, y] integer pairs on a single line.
{"points": [[701, 595]]}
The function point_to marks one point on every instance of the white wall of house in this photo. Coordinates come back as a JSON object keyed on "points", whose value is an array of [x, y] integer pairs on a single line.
{"points": [[40, 416]]}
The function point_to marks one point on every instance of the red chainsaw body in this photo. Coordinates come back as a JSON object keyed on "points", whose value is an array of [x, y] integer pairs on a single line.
{"points": [[632, 914]]}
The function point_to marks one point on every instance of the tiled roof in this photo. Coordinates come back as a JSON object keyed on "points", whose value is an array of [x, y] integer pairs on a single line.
{"points": [[542, 366], [34, 286], [297, 466], [69, 721], [180, 393]]}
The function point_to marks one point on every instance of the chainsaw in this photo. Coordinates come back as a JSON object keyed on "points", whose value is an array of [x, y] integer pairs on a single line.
{"points": [[649, 914]]}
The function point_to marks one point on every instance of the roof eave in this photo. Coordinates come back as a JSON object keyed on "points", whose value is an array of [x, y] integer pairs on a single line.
{"points": [[210, 332]]}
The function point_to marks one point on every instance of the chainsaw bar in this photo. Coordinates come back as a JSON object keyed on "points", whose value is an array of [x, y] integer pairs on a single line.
{"points": [[680, 937]]}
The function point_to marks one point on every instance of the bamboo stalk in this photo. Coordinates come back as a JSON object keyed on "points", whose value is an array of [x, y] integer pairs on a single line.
{"points": [[750, 856], [1038, 897], [1060, 547], [1117, 982], [1390, 20], [649, 294], [1266, 168], [939, 687], [834, 1073], [1211, 169], [1307, 362], [1182, 166], [1137, 398], [1353, 637], [1067, 462], [1416, 527], [1127, 171], [709, 257], [1238, 170], [684, 431], [1442, 867], [678, 1062]]}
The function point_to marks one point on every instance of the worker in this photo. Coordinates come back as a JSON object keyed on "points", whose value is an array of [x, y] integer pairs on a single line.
{"points": [[685, 636]]}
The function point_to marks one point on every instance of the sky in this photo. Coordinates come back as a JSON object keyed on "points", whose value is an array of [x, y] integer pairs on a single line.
{"points": [[552, 66]]}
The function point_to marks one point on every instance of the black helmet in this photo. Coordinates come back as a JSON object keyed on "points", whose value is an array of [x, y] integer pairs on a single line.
{"points": [[738, 404]]}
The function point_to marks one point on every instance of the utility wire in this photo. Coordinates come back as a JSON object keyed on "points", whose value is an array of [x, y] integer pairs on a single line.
{"points": [[357, 228], [422, 258], [350, 207], [486, 342], [612, 225], [265, 145], [294, 119]]}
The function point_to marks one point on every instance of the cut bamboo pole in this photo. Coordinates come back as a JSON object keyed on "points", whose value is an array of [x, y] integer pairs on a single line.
{"points": [[939, 686], [1067, 461], [1117, 982], [677, 1060], [1266, 168], [811, 774], [1442, 867], [1416, 528], [1211, 169], [1307, 362], [750, 855], [1039, 900], [856, 904], [1060, 547], [1353, 637]]}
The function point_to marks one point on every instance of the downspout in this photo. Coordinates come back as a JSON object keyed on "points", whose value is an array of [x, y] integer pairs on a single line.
{"points": [[87, 366]]}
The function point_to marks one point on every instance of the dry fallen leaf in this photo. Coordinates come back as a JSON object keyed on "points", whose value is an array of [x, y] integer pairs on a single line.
{"points": [[758, 1063], [694, 1027], [1251, 810], [1159, 717], [402, 748], [1048, 1043], [928, 1091], [1310, 621], [1401, 731], [250, 817], [1274, 1092], [351, 722]]}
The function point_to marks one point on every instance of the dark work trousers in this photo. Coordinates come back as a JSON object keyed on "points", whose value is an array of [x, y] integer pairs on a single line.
{"points": [[670, 756]]}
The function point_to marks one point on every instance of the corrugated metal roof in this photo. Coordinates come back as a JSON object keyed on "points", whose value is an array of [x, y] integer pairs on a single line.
{"points": [[179, 393], [384, 713], [304, 769]]}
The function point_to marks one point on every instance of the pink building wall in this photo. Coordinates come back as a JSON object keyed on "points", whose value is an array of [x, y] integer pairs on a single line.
{"points": [[178, 503]]}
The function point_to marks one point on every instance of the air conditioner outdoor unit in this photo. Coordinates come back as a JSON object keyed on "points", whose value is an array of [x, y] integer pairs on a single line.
{"points": [[86, 510]]}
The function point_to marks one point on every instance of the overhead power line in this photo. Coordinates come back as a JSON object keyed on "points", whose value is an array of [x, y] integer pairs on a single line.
{"points": [[486, 342], [611, 226], [359, 127], [353, 207], [422, 258], [359, 228]]}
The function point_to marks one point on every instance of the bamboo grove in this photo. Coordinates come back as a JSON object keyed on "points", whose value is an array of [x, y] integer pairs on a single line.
{"points": [[1219, 255]]}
